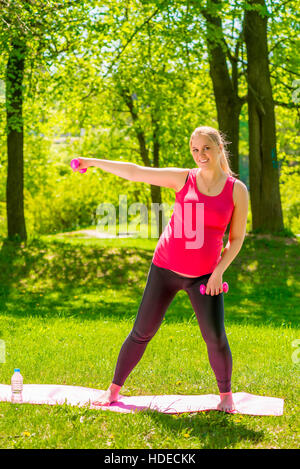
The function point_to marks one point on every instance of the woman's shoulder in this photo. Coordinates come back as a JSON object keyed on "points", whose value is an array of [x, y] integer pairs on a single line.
{"points": [[240, 190]]}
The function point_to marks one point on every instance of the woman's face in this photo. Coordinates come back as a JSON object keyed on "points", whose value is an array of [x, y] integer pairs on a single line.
{"points": [[206, 153]]}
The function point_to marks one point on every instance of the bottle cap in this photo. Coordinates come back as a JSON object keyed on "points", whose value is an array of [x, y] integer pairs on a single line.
{"points": [[17, 369]]}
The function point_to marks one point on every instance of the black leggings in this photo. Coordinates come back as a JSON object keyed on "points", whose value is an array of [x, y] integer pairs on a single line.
{"points": [[162, 286]]}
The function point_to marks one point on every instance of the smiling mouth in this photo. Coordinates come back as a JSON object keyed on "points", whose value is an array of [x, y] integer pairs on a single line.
{"points": [[203, 161]]}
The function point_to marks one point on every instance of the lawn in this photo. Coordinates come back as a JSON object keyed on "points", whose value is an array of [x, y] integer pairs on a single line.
{"points": [[67, 304]]}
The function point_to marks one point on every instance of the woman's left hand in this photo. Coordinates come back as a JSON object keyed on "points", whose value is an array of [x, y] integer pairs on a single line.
{"points": [[214, 285]]}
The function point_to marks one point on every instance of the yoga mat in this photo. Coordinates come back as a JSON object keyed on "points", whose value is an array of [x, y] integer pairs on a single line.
{"points": [[53, 394]]}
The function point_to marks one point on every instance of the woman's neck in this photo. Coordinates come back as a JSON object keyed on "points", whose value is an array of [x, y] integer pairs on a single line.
{"points": [[211, 176]]}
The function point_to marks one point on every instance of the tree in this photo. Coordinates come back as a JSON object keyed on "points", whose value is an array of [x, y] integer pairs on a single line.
{"points": [[226, 85], [26, 29], [15, 176], [153, 87], [263, 163]]}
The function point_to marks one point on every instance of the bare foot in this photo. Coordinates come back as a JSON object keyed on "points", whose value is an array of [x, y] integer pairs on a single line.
{"points": [[226, 403], [109, 396]]}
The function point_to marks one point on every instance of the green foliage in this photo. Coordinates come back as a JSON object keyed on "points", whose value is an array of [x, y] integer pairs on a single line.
{"points": [[63, 203], [290, 190], [288, 157], [84, 59]]}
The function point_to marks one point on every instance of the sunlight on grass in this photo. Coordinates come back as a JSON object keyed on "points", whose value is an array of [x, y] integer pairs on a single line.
{"points": [[252, 266], [67, 307]]}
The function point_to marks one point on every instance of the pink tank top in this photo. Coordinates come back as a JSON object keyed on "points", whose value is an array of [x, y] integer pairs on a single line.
{"points": [[192, 241]]}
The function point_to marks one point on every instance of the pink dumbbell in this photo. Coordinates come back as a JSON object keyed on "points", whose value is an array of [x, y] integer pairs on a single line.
{"points": [[75, 164], [203, 288]]}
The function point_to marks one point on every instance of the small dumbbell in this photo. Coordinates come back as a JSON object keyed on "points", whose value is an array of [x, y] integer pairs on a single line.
{"points": [[203, 288], [75, 164]]}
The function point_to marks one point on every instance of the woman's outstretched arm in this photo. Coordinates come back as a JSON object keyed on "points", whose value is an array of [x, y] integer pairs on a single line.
{"points": [[119, 168], [167, 177]]}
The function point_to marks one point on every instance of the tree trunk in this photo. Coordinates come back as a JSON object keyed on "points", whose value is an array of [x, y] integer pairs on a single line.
{"points": [[228, 102], [263, 164], [15, 172], [144, 152], [156, 190]]}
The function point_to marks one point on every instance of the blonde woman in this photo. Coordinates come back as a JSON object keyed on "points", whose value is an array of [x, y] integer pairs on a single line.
{"points": [[178, 263]]}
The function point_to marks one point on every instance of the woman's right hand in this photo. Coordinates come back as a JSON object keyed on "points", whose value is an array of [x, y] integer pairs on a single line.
{"points": [[84, 163]]}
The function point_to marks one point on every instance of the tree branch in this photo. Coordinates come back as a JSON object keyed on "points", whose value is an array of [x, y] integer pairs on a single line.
{"points": [[285, 69], [287, 105], [130, 39]]}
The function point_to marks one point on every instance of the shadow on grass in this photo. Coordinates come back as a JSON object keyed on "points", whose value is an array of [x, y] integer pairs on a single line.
{"points": [[107, 280], [213, 429]]}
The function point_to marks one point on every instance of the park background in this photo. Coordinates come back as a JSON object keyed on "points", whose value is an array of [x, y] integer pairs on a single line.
{"points": [[129, 81]]}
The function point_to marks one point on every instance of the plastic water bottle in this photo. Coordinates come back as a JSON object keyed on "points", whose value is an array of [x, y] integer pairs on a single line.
{"points": [[16, 386]]}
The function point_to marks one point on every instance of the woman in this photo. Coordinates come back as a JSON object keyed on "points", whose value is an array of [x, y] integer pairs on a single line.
{"points": [[179, 263]]}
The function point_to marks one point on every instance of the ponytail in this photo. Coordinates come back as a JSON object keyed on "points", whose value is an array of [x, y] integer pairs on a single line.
{"points": [[224, 163]]}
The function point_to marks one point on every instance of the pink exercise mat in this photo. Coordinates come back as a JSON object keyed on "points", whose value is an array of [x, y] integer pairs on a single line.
{"points": [[52, 394]]}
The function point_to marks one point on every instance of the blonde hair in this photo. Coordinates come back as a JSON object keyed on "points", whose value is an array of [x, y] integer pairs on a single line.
{"points": [[218, 138]]}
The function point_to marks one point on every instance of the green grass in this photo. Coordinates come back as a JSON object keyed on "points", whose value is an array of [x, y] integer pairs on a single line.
{"points": [[67, 305]]}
